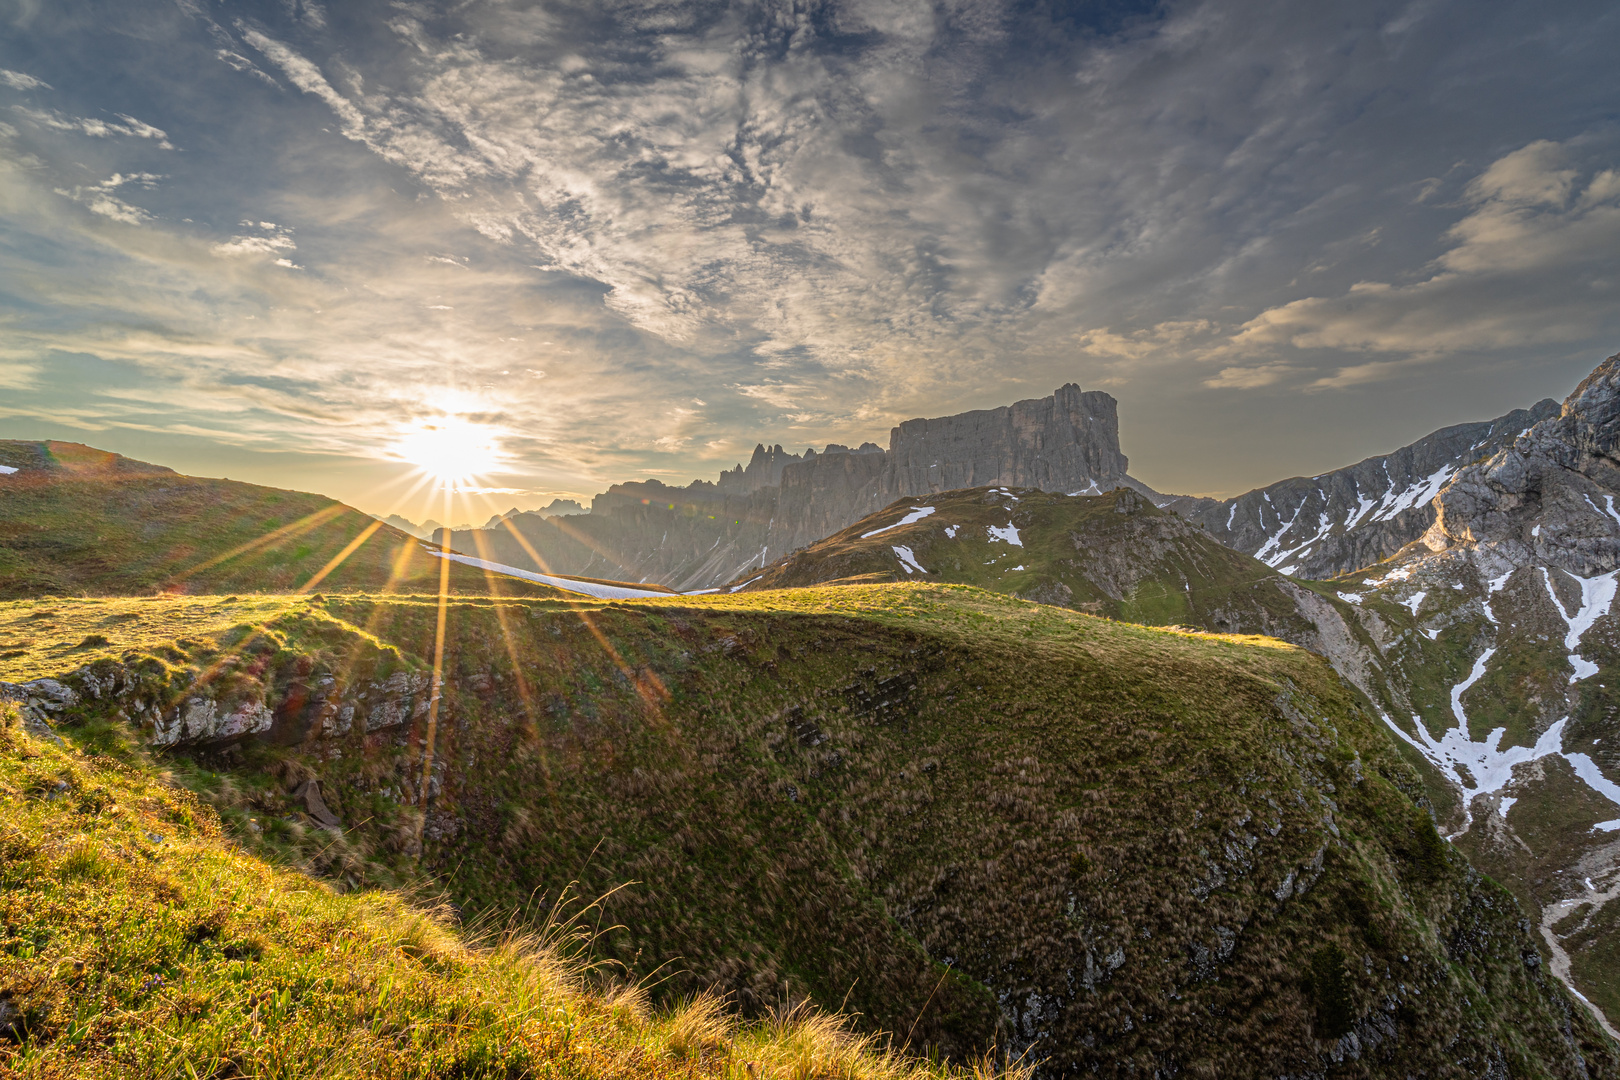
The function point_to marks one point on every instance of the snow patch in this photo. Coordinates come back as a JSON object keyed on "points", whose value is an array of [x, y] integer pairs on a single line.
{"points": [[589, 588], [1432, 635], [1587, 770], [916, 515], [6, 470], [1597, 596], [747, 583], [1414, 494], [1414, 600], [1607, 826], [1350, 597], [1230, 515], [1364, 504], [1009, 534], [1505, 805], [950, 531], [1608, 501], [908, 560], [1461, 688]]}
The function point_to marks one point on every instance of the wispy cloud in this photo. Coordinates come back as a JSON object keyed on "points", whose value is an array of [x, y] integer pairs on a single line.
{"points": [[571, 219], [18, 80]]}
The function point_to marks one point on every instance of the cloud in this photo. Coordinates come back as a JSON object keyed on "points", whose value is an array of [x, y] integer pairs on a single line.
{"points": [[1250, 378], [1531, 224], [100, 129], [99, 198], [836, 218], [17, 80]]}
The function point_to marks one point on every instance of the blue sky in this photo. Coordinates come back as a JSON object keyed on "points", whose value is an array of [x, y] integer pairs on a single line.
{"points": [[617, 240]]}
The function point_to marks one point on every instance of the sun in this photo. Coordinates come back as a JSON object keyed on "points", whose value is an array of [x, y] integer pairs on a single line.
{"points": [[451, 450]]}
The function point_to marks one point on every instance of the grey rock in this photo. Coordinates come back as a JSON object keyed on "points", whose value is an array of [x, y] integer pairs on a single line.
{"points": [[1549, 497], [705, 534], [201, 720], [1322, 526], [309, 793]]}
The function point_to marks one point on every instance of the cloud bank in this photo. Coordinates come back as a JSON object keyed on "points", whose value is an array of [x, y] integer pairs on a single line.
{"points": [[813, 220]]}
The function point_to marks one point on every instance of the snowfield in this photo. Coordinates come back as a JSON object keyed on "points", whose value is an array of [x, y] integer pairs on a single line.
{"points": [[588, 588], [916, 515], [1009, 534]]}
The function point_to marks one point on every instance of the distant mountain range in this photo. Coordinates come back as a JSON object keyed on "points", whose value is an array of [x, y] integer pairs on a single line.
{"points": [[709, 533], [429, 528]]}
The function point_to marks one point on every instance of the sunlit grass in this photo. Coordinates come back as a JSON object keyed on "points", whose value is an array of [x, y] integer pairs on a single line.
{"points": [[136, 941]]}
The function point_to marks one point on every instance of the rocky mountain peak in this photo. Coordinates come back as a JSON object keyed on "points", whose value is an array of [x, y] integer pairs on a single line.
{"points": [[1549, 497]]}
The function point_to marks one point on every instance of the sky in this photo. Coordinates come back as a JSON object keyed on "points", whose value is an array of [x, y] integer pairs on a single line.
{"points": [[568, 244]]}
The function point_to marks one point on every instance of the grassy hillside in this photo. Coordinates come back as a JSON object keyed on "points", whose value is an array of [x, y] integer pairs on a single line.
{"points": [[966, 818], [137, 940], [78, 521], [1114, 555]]}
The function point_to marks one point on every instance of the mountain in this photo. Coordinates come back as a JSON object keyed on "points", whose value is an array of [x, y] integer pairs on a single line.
{"points": [[1502, 681], [1115, 555], [706, 534], [79, 521], [1323, 526], [1485, 643], [555, 508], [1109, 848]]}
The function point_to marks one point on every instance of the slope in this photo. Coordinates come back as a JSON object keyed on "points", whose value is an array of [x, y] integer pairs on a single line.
{"points": [[1115, 555], [969, 817], [1499, 635], [75, 520], [1323, 526], [136, 940]]}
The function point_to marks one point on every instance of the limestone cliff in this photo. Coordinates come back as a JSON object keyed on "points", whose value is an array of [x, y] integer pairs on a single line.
{"points": [[705, 534]]}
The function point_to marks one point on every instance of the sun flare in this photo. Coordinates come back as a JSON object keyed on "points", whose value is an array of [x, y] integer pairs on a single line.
{"points": [[451, 450]]}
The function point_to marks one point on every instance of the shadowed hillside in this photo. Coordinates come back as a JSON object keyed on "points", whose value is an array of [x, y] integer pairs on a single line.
{"points": [[969, 819]]}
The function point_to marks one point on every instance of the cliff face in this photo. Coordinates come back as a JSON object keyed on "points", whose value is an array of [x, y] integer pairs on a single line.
{"points": [[1322, 526], [1548, 497], [1065, 442], [706, 534]]}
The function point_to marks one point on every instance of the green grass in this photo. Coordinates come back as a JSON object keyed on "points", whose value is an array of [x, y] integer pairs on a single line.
{"points": [[943, 810], [1114, 555], [78, 522], [137, 941]]}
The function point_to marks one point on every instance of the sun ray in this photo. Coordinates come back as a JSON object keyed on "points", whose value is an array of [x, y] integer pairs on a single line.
{"points": [[292, 528], [506, 629], [338, 559], [436, 691]]}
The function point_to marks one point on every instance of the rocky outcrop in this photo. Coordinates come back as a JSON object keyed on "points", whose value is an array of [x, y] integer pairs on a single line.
{"points": [[1068, 442], [171, 713], [705, 534], [39, 701], [1323, 526], [1548, 497]]}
